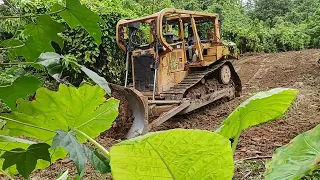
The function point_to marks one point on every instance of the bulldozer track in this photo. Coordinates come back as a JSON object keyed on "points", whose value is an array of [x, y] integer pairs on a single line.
{"points": [[180, 90]]}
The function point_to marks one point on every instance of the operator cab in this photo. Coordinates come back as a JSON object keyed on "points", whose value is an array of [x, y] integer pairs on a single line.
{"points": [[161, 48]]}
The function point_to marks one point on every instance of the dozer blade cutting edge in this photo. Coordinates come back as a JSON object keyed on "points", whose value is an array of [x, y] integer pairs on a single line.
{"points": [[140, 107]]}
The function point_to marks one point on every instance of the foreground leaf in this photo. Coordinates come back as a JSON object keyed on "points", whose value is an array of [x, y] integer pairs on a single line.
{"points": [[79, 153], [174, 154], [76, 14], [260, 108], [15, 140], [53, 64], [20, 88], [45, 30], [98, 161], [30, 50], [26, 160], [297, 159], [75, 149], [84, 108], [101, 81]]}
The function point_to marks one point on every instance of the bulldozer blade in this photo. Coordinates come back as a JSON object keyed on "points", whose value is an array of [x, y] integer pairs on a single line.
{"points": [[139, 107], [167, 115]]}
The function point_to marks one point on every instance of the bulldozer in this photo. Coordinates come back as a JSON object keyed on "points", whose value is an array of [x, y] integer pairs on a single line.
{"points": [[175, 64]]}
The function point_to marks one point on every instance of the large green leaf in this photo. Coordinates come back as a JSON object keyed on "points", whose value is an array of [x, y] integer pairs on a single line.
{"points": [[80, 153], [260, 108], [98, 161], [53, 64], [52, 61], [30, 50], [76, 14], [26, 159], [76, 150], [101, 81], [174, 154], [4, 138], [297, 159], [45, 30], [20, 88], [84, 108]]}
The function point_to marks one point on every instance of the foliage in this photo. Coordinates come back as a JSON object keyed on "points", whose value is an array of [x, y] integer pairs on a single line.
{"points": [[76, 14], [84, 109], [52, 119], [173, 154], [260, 108], [26, 159], [296, 159], [54, 64], [20, 88]]}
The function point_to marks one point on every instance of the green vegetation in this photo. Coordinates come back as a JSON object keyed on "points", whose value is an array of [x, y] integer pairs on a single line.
{"points": [[63, 40], [257, 25], [57, 128], [297, 159]]}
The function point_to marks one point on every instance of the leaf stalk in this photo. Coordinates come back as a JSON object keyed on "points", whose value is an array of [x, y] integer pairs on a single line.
{"points": [[95, 143], [26, 124], [32, 15]]}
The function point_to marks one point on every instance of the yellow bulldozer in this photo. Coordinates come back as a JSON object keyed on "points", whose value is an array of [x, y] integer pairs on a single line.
{"points": [[177, 63]]}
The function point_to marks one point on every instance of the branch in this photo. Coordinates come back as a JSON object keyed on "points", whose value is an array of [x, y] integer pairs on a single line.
{"points": [[16, 63], [12, 47], [251, 158], [32, 15]]}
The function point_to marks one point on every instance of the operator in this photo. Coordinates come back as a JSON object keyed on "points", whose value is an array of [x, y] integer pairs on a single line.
{"points": [[190, 42]]}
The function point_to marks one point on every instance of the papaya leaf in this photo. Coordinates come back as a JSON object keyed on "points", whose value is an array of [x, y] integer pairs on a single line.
{"points": [[98, 161], [260, 108], [76, 150], [20, 88], [76, 14], [26, 159], [30, 50], [45, 30], [84, 108], [53, 64], [8, 143], [52, 61], [101, 81], [296, 159], [4, 138], [175, 154]]}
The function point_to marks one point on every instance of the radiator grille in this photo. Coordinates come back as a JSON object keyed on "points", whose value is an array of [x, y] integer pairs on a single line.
{"points": [[143, 73]]}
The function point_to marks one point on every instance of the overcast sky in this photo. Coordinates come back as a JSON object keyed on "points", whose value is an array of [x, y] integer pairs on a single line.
{"points": [[1, 1]]}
